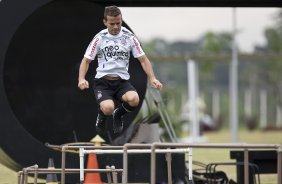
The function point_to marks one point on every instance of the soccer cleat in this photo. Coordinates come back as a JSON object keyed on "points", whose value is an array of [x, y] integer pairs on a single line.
{"points": [[117, 122], [100, 124]]}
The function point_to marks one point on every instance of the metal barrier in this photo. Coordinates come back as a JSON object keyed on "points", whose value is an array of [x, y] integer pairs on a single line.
{"points": [[23, 175], [243, 146], [125, 150], [65, 148], [154, 148], [153, 151]]}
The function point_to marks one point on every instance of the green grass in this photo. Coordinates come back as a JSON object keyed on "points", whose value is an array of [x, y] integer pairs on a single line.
{"points": [[222, 155], [8, 176]]}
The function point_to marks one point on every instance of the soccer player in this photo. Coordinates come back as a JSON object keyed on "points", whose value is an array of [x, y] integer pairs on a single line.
{"points": [[112, 46]]}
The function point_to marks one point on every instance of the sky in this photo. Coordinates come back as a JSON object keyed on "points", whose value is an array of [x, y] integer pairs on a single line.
{"points": [[189, 24]]}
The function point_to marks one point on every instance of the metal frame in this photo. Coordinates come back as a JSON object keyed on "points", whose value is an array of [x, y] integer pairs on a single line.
{"points": [[23, 175], [154, 148], [125, 150], [243, 146]]}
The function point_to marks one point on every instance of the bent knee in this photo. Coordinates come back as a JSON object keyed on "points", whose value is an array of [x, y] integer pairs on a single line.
{"points": [[107, 108], [133, 100]]}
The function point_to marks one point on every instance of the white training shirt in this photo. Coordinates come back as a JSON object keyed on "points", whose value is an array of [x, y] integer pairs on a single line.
{"points": [[113, 52]]}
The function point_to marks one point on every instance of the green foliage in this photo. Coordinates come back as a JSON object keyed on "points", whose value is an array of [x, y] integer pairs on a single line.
{"points": [[217, 42], [148, 47], [275, 66], [274, 39], [274, 44]]}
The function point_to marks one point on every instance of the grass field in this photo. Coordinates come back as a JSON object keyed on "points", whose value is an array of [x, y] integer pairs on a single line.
{"points": [[8, 176], [222, 155]]}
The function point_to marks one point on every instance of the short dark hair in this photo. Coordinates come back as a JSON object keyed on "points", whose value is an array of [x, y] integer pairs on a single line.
{"points": [[111, 11]]}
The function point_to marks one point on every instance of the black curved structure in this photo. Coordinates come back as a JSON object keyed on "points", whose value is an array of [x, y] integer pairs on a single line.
{"points": [[42, 44]]}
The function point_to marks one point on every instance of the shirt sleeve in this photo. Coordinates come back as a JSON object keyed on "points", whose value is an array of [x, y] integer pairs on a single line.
{"points": [[93, 48], [137, 50]]}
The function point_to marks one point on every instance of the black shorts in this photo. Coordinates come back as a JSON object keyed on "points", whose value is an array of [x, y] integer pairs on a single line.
{"points": [[111, 89]]}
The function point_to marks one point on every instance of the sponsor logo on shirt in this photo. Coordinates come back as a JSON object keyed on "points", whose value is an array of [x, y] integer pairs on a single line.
{"points": [[137, 45], [116, 52], [94, 47]]}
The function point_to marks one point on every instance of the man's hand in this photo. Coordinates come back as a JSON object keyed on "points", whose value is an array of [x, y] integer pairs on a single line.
{"points": [[156, 84], [83, 84]]}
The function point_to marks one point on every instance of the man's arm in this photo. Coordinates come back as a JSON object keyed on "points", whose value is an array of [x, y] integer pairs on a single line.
{"points": [[147, 67], [84, 65]]}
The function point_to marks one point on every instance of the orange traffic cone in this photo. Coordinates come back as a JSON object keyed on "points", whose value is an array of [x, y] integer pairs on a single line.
{"points": [[92, 163], [92, 178]]}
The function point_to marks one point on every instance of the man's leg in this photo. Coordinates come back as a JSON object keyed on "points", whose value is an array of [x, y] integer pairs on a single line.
{"points": [[105, 110], [130, 102], [101, 122]]}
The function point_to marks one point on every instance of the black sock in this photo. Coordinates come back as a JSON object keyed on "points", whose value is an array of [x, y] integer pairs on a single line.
{"points": [[101, 116], [123, 109]]}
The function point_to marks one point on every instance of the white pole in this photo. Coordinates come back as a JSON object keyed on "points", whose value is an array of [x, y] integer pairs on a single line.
{"points": [[81, 165], [233, 90], [215, 104], [278, 117], [136, 151], [192, 89], [248, 103], [263, 109], [190, 167]]}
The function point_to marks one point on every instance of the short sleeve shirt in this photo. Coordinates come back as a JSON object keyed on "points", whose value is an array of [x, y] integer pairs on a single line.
{"points": [[113, 52]]}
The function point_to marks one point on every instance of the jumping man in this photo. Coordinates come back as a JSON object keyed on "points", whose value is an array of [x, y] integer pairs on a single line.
{"points": [[112, 46]]}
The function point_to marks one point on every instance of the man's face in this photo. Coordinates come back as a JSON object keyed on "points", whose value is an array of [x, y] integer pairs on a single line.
{"points": [[113, 24]]}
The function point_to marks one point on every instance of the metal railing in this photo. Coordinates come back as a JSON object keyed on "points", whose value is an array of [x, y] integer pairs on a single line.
{"points": [[243, 146], [23, 175], [125, 150], [154, 149]]}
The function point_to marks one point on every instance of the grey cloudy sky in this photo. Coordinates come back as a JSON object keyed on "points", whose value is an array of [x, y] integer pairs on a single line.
{"points": [[191, 23]]}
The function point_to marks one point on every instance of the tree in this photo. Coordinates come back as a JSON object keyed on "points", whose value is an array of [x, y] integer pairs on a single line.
{"points": [[274, 39], [217, 42], [273, 68]]}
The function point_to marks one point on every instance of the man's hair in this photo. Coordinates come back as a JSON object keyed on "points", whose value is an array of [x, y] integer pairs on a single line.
{"points": [[112, 11]]}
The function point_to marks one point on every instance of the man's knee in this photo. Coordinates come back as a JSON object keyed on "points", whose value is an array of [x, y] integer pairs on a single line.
{"points": [[107, 107], [132, 99]]}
